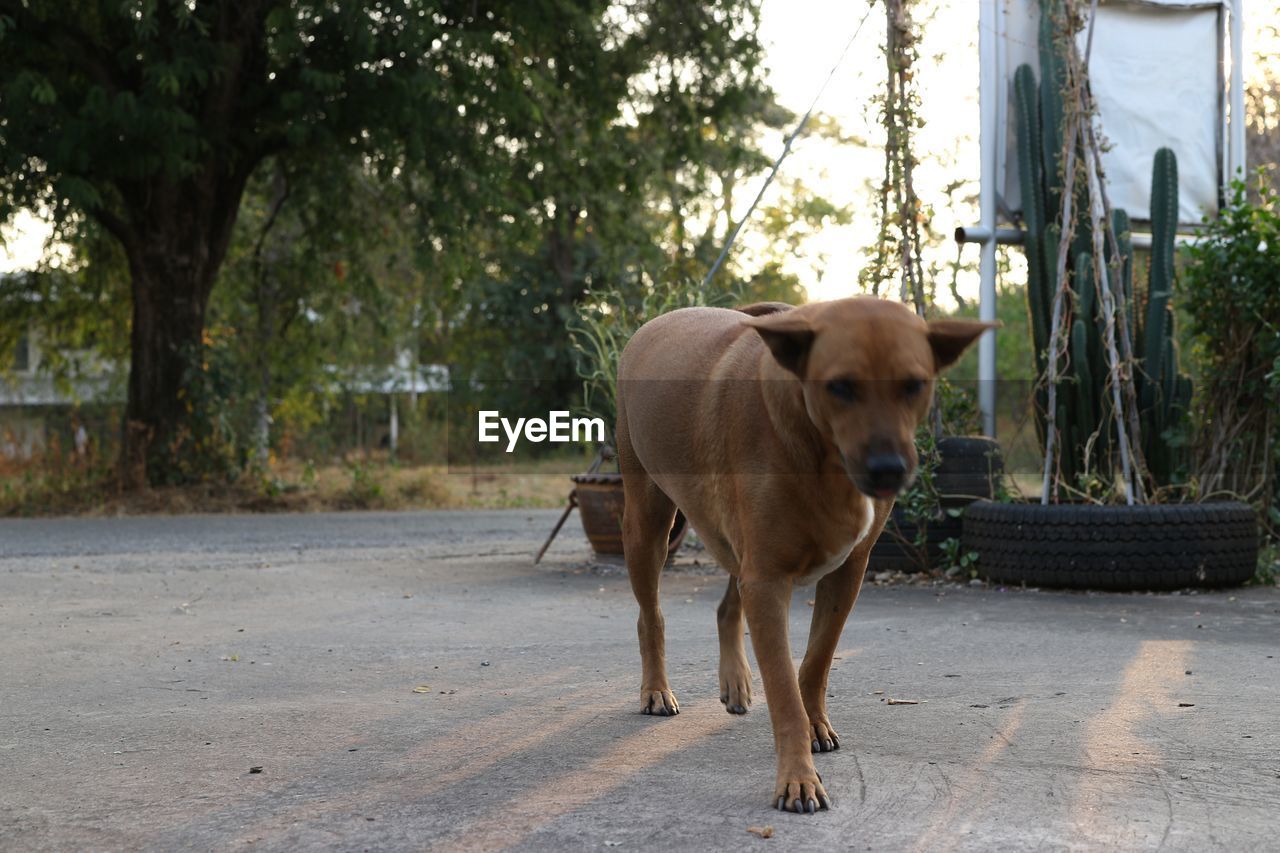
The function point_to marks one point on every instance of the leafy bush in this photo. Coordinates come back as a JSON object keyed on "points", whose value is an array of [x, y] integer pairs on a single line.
{"points": [[607, 320], [1231, 297]]}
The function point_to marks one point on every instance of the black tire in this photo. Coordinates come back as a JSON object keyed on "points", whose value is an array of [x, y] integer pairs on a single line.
{"points": [[969, 467], [969, 454], [1075, 546], [952, 487], [896, 550]]}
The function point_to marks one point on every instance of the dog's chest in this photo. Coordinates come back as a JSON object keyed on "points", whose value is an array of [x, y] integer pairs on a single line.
{"points": [[828, 563]]}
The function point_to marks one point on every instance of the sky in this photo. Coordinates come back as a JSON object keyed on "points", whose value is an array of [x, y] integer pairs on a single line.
{"points": [[804, 38]]}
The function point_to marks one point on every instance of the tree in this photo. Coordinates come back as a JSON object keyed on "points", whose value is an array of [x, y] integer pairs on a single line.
{"points": [[147, 119], [515, 156]]}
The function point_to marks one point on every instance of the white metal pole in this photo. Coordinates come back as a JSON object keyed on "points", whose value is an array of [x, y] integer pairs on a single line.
{"points": [[1236, 155], [990, 90]]}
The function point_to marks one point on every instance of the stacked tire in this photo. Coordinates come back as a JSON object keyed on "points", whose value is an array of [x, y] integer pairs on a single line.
{"points": [[969, 469]]}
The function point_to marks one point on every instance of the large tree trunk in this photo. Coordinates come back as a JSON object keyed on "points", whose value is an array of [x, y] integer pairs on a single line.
{"points": [[182, 237], [166, 344]]}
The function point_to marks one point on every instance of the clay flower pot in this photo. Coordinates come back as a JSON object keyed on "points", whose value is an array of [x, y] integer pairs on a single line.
{"points": [[600, 502]]}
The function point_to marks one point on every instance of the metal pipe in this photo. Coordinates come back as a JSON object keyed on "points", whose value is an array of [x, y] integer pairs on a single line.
{"points": [[1016, 237], [989, 92], [981, 234], [1236, 146]]}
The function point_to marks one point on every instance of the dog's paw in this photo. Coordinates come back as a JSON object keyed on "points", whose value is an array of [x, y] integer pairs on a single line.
{"points": [[824, 738], [801, 796], [659, 703], [735, 690]]}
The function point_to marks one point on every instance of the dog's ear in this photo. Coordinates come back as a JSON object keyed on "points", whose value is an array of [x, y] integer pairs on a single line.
{"points": [[950, 338], [787, 336]]}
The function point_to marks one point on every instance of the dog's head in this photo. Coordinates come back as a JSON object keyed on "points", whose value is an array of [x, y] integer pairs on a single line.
{"points": [[867, 368]]}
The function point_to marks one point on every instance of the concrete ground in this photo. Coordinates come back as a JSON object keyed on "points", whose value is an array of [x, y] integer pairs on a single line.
{"points": [[408, 681]]}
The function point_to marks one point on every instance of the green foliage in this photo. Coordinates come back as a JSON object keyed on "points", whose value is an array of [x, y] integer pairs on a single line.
{"points": [[365, 492], [77, 312], [603, 326], [206, 448], [955, 561], [344, 183], [1230, 291], [920, 503]]}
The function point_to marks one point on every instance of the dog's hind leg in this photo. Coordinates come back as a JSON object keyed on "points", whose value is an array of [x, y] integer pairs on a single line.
{"points": [[735, 672], [647, 517]]}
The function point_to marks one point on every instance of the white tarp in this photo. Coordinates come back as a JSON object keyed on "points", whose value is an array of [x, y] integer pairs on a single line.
{"points": [[1155, 72]]}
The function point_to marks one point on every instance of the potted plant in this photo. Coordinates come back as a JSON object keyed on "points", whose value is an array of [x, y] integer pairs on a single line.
{"points": [[604, 322], [1113, 510]]}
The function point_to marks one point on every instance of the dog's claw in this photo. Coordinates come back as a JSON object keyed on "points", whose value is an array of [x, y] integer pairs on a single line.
{"points": [[736, 709], [659, 703], [805, 797], [815, 748]]}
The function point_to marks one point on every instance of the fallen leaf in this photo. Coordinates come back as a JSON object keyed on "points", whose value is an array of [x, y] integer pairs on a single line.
{"points": [[762, 831], [893, 701], [255, 769], [1186, 704], [422, 688]]}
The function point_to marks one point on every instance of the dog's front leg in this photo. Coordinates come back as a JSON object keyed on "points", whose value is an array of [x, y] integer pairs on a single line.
{"points": [[832, 604], [767, 602]]}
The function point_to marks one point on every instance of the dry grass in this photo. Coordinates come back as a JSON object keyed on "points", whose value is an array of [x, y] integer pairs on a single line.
{"points": [[45, 487]]}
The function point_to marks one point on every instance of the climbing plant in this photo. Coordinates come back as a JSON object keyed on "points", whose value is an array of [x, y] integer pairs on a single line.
{"points": [[902, 217]]}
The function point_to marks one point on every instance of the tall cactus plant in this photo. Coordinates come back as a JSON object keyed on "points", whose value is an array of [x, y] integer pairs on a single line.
{"points": [[1084, 409], [1163, 392]]}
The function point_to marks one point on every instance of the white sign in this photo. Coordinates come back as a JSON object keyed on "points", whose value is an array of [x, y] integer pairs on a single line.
{"points": [[1156, 71]]}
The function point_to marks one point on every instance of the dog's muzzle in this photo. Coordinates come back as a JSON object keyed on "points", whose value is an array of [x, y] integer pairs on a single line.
{"points": [[883, 475]]}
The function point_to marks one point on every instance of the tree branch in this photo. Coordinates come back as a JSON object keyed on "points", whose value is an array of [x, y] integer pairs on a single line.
{"points": [[76, 45]]}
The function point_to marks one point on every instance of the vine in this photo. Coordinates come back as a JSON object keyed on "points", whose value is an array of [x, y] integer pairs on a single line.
{"points": [[902, 217]]}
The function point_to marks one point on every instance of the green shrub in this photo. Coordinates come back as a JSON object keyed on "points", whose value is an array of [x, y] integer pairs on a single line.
{"points": [[1230, 293]]}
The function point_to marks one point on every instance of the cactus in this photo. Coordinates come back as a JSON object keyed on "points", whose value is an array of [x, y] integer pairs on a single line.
{"points": [[1085, 411], [1163, 393]]}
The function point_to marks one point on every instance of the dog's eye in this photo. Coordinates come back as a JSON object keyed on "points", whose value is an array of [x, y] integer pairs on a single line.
{"points": [[912, 387], [842, 389]]}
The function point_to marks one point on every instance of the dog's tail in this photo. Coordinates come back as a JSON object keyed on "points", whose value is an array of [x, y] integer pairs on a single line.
{"points": [[760, 309]]}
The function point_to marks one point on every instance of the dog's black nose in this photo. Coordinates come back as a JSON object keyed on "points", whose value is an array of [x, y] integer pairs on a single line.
{"points": [[886, 471]]}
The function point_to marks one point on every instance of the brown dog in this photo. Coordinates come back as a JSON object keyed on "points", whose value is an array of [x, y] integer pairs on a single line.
{"points": [[784, 436]]}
